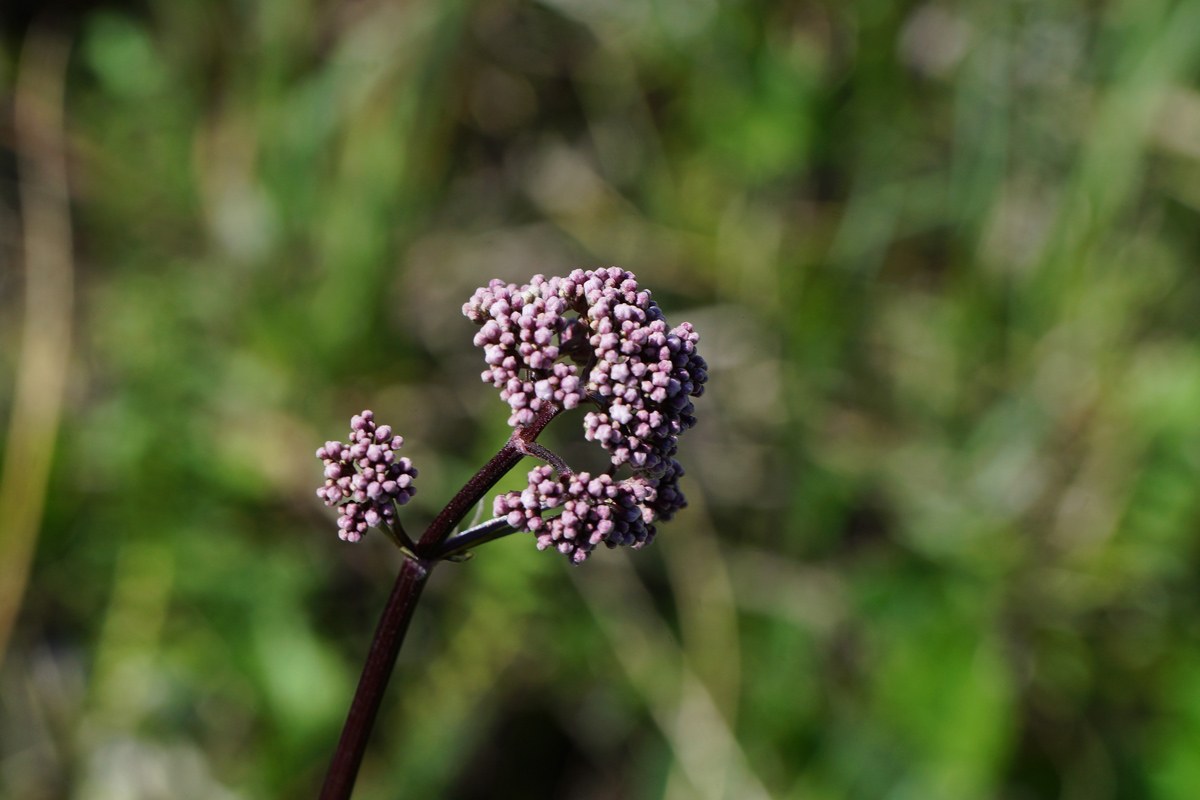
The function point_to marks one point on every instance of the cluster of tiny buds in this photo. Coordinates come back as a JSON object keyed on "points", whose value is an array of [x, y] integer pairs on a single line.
{"points": [[640, 372], [593, 336], [364, 477], [594, 511]]}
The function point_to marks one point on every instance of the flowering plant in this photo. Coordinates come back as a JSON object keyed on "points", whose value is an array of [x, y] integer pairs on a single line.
{"points": [[593, 338]]}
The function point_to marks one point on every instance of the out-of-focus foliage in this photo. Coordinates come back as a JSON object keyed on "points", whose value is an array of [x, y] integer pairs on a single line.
{"points": [[944, 258]]}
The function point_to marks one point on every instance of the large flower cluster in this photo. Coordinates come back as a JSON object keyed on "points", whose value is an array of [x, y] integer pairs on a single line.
{"points": [[366, 477], [593, 336]]}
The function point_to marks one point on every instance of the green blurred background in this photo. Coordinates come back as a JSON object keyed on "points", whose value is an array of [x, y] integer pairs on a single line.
{"points": [[945, 262]]}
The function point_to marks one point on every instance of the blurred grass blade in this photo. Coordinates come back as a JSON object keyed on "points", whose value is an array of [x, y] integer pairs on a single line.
{"points": [[46, 338], [708, 755], [703, 591]]}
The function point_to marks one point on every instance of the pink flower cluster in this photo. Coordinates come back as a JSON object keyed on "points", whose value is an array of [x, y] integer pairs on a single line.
{"points": [[364, 477], [593, 336], [594, 510]]}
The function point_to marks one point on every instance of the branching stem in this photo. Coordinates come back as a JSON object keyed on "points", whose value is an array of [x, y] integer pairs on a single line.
{"points": [[389, 635], [489, 531]]}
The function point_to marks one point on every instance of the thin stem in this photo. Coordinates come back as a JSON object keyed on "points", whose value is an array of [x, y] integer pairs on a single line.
{"points": [[398, 612], [401, 535], [388, 532], [489, 531], [389, 635], [545, 454], [482, 482]]}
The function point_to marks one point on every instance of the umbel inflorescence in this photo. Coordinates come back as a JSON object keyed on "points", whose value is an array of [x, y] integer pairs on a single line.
{"points": [[593, 338]]}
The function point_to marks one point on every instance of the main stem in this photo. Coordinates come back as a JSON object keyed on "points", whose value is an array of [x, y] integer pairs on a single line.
{"points": [[398, 612], [389, 635]]}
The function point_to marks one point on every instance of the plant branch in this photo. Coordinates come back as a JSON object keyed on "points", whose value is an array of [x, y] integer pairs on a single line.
{"points": [[489, 531], [401, 535], [389, 635], [545, 454], [482, 482]]}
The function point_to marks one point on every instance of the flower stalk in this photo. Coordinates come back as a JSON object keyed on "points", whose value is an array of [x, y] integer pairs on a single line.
{"points": [[381, 658]]}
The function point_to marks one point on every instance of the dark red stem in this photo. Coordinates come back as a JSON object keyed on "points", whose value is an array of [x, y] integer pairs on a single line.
{"points": [[482, 482], [389, 635], [398, 612]]}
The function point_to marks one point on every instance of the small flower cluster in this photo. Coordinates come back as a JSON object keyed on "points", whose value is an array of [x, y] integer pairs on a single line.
{"points": [[594, 510], [622, 356], [368, 475]]}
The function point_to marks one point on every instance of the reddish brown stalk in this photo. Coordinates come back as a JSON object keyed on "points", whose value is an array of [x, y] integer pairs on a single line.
{"points": [[389, 635], [483, 481]]}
